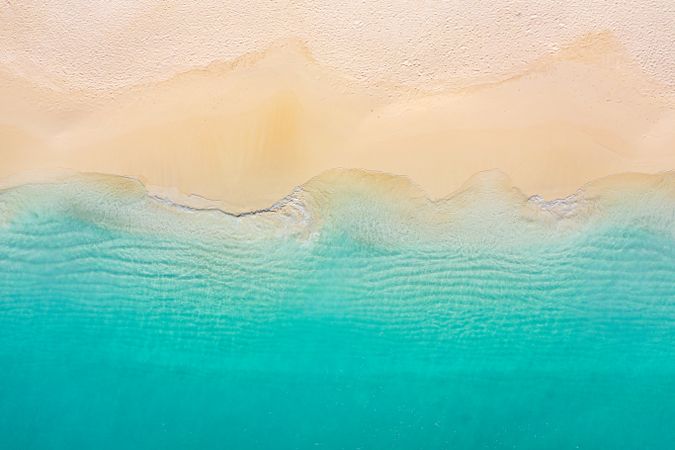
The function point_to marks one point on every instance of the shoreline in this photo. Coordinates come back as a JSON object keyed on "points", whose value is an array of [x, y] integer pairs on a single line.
{"points": [[488, 211], [377, 183]]}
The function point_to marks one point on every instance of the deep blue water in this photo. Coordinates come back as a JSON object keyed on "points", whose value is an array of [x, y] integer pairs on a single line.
{"points": [[111, 338]]}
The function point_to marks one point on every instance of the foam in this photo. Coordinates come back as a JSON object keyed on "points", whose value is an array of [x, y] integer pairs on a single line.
{"points": [[375, 208]]}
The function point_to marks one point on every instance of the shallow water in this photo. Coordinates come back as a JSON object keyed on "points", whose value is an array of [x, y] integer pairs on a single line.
{"points": [[120, 337]]}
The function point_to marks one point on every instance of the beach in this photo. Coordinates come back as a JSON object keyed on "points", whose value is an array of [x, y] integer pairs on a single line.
{"points": [[241, 134], [337, 225]]}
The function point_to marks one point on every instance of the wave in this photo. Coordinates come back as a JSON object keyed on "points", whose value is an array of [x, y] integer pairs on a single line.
{"points": [[369, 206]]}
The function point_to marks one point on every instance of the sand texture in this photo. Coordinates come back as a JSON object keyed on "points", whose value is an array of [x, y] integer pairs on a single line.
{"points": [[246, 131]]}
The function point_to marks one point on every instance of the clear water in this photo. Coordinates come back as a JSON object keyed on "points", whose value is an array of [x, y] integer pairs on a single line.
{"points": [[111, 338]]}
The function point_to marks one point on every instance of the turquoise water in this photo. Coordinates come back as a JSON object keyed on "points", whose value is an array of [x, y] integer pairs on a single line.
{"points": [[201, 330]]}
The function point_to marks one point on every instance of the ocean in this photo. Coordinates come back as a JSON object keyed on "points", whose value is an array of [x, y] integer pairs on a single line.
{"points": [[345, 317]]}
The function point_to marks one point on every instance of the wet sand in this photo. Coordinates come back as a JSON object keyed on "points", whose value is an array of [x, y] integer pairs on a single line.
{"points": [[245, 132]]}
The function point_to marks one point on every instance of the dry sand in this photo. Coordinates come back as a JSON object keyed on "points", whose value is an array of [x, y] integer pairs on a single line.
{"points": [[245, 132]]}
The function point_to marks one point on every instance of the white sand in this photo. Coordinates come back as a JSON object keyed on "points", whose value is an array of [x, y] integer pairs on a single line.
{"points": [[551, 110]]}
